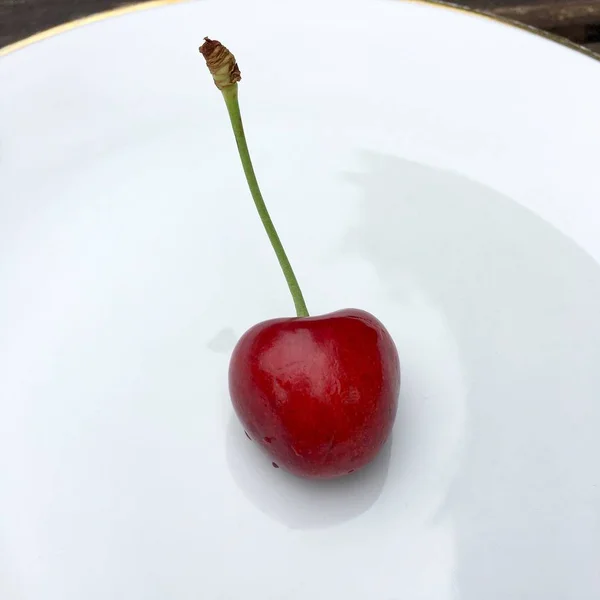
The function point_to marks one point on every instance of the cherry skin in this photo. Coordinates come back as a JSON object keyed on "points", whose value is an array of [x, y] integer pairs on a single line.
{"points": [[319, 394]]}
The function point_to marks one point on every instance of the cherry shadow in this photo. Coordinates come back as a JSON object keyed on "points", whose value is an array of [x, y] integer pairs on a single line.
{"points": [[302, 503]]}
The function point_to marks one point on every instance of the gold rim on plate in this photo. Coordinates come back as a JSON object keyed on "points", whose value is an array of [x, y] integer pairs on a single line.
{"points": [[131, 8]]}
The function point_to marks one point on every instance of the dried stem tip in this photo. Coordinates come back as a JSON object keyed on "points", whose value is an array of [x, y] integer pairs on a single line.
{"points": [[221, 63]]}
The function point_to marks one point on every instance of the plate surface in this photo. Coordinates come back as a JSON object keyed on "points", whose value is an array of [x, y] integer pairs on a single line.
{"points": [[434, 167]]}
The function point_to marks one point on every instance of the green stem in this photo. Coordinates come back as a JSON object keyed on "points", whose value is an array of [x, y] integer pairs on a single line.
{"points": [[230, 94]]}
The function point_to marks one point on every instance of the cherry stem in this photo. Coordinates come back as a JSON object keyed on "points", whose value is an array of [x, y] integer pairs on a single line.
{"points": [[230, 94]]}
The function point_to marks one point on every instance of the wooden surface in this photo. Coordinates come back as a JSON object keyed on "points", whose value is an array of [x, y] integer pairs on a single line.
{"points": [[545, 14], [578, 20]]}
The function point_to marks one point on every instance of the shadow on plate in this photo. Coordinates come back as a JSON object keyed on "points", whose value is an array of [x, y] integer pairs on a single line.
{"points": [[296, 502], [521, 300]]}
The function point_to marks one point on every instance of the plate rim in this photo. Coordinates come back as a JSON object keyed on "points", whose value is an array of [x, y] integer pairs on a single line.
{"points": [[148, 5]]}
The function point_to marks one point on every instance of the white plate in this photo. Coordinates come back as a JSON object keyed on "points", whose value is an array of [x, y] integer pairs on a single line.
{"points": [[434, 167]]}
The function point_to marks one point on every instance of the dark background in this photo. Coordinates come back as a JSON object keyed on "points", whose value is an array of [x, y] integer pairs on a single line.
{"points": [[577, 20]]}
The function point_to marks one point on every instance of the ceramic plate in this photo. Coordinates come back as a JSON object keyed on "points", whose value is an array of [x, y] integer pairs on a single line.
{"points": [[434, 167]]}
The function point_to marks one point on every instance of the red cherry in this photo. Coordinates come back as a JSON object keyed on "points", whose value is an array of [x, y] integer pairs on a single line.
{"points": [[319, 394]]}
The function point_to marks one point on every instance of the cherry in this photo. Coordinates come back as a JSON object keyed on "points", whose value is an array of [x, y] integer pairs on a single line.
{"points": [[319, 394]]}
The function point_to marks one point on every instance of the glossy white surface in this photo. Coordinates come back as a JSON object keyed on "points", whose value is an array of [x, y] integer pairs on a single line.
{"points": [[447, 182]]}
